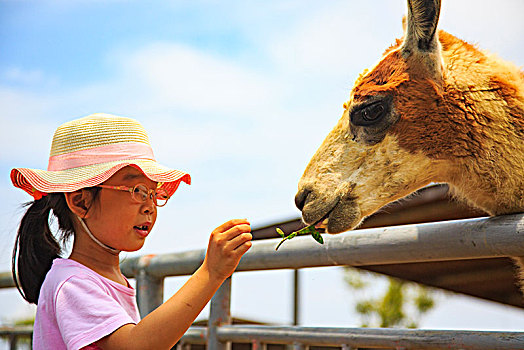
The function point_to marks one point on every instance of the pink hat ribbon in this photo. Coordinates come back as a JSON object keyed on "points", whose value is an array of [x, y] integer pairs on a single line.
{"points": [[101, 154]]}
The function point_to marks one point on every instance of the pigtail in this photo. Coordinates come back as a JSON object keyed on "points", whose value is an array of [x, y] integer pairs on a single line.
{"points": [[35, 246]]}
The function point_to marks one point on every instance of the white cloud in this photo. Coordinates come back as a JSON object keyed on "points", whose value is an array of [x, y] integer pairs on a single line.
{"points": [[27, 127], [18, 75], [182, 77], [194, 105]]}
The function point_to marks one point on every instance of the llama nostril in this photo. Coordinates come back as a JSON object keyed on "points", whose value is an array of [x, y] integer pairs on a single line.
{"points": [[300, 198]]}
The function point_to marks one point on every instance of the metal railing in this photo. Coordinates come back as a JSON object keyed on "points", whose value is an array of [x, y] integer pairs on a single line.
{"points": [[451, 240], [13, 334]]}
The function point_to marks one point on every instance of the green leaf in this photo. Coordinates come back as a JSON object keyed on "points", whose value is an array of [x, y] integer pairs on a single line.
{"points": [[280, 232], [316, 235], [307, 230]]}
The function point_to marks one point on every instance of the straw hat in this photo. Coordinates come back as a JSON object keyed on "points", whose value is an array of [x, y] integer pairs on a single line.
{"points": [[86, 152]]}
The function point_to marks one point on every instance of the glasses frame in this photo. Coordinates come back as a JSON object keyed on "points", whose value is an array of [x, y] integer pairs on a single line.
{"points": [[151, 193]]}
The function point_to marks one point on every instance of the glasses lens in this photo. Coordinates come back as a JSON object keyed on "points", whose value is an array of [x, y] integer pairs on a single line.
{"points": [[161, 197], [140, 193]]}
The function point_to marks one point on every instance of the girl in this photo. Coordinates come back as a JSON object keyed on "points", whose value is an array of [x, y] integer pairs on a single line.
{"points": [[104, 186]]}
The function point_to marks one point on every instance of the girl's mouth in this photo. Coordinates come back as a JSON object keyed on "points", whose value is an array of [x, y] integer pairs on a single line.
{"points": [[142, 230]]}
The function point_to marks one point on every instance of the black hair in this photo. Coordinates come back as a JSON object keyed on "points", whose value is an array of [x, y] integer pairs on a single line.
{"points": [[36, 247]]}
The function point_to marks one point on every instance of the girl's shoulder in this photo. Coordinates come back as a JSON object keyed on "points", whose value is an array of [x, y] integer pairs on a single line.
{"points": [[63, 269], [61, 272], [70, 271]]}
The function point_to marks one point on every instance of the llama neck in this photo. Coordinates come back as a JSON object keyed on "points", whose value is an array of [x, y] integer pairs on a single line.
{"points": [[491, 193], [484, 97]]}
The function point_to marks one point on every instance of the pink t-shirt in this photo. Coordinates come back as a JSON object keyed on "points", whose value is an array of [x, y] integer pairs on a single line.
{"points": [[77, 307]]}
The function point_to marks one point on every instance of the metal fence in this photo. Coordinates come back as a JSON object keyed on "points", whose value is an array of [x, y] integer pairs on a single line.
{"points": [[451, 240]]}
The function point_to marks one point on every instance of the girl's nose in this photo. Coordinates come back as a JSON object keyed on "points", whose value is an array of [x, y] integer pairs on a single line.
{"points": [[149, 206]]}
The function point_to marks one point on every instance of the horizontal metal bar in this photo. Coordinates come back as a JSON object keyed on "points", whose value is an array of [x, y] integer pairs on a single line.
{"points": [[164, 265], [354, 337], [450, 240], [6, 280], [195, 335], [379, 337], [17, 330]]}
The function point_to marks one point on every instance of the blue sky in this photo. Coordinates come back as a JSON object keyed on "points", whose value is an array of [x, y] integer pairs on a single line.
{"points": [[239, 94]]}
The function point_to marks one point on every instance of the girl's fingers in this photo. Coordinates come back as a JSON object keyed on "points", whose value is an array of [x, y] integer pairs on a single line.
{"points": [[239, 240], [230, 224], [236, 231], [243, 248]]}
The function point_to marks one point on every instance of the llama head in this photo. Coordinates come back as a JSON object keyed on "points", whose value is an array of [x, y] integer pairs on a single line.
{"points": [[384, 146]]}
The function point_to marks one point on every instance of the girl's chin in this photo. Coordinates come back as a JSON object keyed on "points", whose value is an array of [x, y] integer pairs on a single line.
{"points": [[135, 247]]}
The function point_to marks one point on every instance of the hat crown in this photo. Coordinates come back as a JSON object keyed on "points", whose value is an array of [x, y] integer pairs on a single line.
{"points": [[96, 130]]}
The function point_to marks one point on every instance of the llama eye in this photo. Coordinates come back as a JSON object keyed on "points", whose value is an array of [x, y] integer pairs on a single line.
{"points": [[369, 114]]}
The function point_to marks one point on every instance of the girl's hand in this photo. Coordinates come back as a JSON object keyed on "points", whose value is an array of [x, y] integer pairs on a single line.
{"points": [[227, 244]]}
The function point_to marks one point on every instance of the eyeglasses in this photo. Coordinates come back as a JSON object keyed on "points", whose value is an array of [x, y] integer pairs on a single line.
{"points": [[141, 193]]}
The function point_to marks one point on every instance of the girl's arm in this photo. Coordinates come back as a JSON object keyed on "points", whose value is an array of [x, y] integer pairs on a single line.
{"points": [[164, 326]]}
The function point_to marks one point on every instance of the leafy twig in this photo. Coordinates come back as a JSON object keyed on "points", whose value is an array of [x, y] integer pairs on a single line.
{"points": [[309, 230]]}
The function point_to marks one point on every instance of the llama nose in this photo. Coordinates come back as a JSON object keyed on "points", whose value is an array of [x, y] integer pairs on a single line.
{"points": [[300, 198]]}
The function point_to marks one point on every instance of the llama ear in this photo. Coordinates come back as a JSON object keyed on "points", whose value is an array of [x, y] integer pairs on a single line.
{"points": [[421, 37], [421, 34]]}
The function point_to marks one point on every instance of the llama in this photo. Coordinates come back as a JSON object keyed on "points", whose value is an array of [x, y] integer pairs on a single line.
{"points": [[433, 109]]}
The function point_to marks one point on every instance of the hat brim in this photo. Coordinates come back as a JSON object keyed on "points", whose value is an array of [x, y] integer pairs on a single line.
{"points": [[34, 181]]}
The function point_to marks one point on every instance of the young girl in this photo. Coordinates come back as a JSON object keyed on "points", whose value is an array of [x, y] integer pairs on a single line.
{"points": [[104, 187]]}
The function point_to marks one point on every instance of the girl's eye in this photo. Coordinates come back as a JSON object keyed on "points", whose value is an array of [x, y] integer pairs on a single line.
{"points": [[140, 193], [369, 114]]}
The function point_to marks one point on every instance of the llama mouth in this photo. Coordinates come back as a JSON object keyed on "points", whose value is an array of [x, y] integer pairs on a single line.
{"points": [[321, 225], [343, 216]]}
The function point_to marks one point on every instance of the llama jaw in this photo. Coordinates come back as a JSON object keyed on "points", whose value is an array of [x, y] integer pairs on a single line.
{"points": [[345, 216], [342, 215]]}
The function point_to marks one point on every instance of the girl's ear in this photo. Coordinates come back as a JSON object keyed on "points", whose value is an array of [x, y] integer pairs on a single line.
{"points": [[79, 202]]}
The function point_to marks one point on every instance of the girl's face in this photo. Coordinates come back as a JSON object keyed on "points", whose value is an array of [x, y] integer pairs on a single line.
{"points": [[116, 218]]}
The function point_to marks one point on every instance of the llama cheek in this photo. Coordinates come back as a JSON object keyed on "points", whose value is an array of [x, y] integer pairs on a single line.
{"points": [[392, 173]]}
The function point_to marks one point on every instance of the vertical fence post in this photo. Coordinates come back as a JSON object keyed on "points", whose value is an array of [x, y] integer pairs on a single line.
{"points": [[296, 297], [13, 342], [299, 346], [149, 289], [219, 314], [258, 345]]}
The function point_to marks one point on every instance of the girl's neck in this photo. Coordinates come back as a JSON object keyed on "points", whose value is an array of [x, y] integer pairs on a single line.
{"points": [[91, 255], [110, 271]]}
